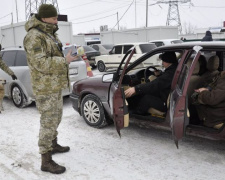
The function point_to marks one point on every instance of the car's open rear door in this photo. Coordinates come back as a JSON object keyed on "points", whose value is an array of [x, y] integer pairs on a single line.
{"points": [[178, 103], [119, 103]]}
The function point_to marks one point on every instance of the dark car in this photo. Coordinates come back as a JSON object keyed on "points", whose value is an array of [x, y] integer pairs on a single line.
{"points": [[90, 55], [101, 100]]}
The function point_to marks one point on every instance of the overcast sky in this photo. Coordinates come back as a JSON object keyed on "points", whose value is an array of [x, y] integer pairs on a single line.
{"points": [[88, 15]]}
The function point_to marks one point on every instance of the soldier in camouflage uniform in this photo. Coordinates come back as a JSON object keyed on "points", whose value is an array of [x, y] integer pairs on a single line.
{"points": [[49, 76], [5, 68]]}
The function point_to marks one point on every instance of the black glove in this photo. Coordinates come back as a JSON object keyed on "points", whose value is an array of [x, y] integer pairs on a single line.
{"points": [[14, 77]]}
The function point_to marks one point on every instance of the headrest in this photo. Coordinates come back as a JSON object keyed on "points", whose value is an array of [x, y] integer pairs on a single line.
{"points": [[197, 66], [213, 63]]}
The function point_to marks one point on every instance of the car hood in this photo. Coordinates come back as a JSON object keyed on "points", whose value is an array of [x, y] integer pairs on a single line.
{"points": [[90, 80]]}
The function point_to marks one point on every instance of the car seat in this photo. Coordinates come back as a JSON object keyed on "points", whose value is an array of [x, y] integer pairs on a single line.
{"points": [[212, 71], [194, 80]]}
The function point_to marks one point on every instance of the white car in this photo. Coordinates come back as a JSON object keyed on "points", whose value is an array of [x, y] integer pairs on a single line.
{"points": [[117, 53], [163, 42], [20, 90]]}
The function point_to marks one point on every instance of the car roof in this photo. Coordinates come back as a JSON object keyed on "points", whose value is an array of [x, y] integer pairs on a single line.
{"points": [[189, 45], [164, 40], [133, 43]]}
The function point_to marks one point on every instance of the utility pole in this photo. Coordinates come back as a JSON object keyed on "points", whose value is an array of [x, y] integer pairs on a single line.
{"points": [[118, 21], [135, 14], [16, 11], [146, 13]]}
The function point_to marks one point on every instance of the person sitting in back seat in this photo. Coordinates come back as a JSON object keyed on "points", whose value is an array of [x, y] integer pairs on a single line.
{"points": [[211, 99]]}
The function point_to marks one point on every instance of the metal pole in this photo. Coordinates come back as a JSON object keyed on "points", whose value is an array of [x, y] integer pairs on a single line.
{"points": [[135, 14], [16, 11], [146, 13], [118, 21]]}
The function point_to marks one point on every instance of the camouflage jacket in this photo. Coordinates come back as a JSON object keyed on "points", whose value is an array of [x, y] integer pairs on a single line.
{"points": [[4, 67], [48, 67]]}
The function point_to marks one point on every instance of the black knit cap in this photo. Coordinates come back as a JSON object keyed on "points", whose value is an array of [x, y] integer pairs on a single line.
{"points": [[47, 11], [169, 57]]}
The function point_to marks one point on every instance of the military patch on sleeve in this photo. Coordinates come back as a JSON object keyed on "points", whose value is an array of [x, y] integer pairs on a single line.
{"points": [[37, 49]]}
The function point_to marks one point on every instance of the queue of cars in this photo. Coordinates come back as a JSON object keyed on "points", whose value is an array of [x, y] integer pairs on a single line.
{"points": [[100, 100], [20, 90]]}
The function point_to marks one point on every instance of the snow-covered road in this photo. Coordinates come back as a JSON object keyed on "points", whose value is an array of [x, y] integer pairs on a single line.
{"points": [[100, 154]]}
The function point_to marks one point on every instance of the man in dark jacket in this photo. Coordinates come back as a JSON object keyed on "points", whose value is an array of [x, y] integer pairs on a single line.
{"points": [[208, 36], [155, 93], [212, 102]]}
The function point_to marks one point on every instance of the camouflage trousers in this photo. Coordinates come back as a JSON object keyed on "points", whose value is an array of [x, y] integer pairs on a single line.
{"points": [[50, 107]]}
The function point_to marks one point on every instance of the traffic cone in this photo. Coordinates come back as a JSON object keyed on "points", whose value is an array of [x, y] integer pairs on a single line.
{"points": [[80, 51], [89, 71]]}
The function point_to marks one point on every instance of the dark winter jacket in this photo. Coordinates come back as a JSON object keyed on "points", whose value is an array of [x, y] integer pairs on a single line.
{"points": [[161, 86], [207, 37], [212, 108]]}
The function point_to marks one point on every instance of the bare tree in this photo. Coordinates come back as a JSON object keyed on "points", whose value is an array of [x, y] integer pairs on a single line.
{"points": [[188, 28]]}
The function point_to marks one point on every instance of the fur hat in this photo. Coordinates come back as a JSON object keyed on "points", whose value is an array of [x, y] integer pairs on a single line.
{"points": [[169, 57], [47, 11]]}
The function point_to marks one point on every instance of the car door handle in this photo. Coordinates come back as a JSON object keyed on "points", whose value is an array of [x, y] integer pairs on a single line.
{"points": [[181, 110]]}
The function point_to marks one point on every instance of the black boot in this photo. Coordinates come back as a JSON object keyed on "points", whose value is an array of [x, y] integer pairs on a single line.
{"points": [[49, 165], [57, 148]]}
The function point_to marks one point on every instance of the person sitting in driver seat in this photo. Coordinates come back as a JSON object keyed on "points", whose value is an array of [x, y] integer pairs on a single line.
{"points": [[154, 94]]}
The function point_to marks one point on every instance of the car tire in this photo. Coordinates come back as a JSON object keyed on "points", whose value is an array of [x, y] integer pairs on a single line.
{"points": [[101, 66], [92, 111], [18, 96]]}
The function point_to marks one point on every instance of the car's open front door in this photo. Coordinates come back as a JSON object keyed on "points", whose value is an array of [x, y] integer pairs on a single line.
{"points": [[178, 107], [119, 103]]}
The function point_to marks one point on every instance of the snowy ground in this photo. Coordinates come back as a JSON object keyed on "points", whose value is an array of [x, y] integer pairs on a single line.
{"points": [[99, 154]]}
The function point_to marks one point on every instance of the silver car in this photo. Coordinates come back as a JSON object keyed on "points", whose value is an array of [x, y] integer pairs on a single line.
{"points": [[20, 90]]}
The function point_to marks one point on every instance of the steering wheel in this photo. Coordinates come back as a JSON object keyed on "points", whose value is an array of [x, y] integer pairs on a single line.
{"points": [[152, 69]]}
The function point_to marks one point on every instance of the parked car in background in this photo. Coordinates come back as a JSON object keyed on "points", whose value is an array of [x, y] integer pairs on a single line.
{"points": [[100, 100], [115, 56], [90, 55], [20, 90], [163, 42], [102, 48]]}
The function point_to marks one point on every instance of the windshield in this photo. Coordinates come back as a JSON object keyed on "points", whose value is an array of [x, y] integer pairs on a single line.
{"points": [[87, 48], [147, 47], [108, 46]]}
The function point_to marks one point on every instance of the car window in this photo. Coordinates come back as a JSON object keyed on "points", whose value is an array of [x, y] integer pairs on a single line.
{"points": [[117, 50], [126, 48], [9, 57], [21, 59], [107, 46], [87, 49], [95, 47], [158, 44], [147, 47]]}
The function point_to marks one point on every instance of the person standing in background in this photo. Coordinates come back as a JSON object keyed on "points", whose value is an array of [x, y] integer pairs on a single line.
{"points": [[208, 36]]}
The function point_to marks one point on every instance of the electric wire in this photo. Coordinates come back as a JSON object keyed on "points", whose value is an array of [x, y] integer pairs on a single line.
{"points": [[123, 14]]}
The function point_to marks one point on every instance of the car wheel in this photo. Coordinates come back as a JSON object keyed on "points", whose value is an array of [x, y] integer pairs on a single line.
{"points": [[101, 66], [93, 111], [18, 96]]}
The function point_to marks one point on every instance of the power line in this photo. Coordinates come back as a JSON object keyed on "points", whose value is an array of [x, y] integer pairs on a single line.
{"points": [[94, 19], [99, 13], [124, 14], [5, 16]]}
